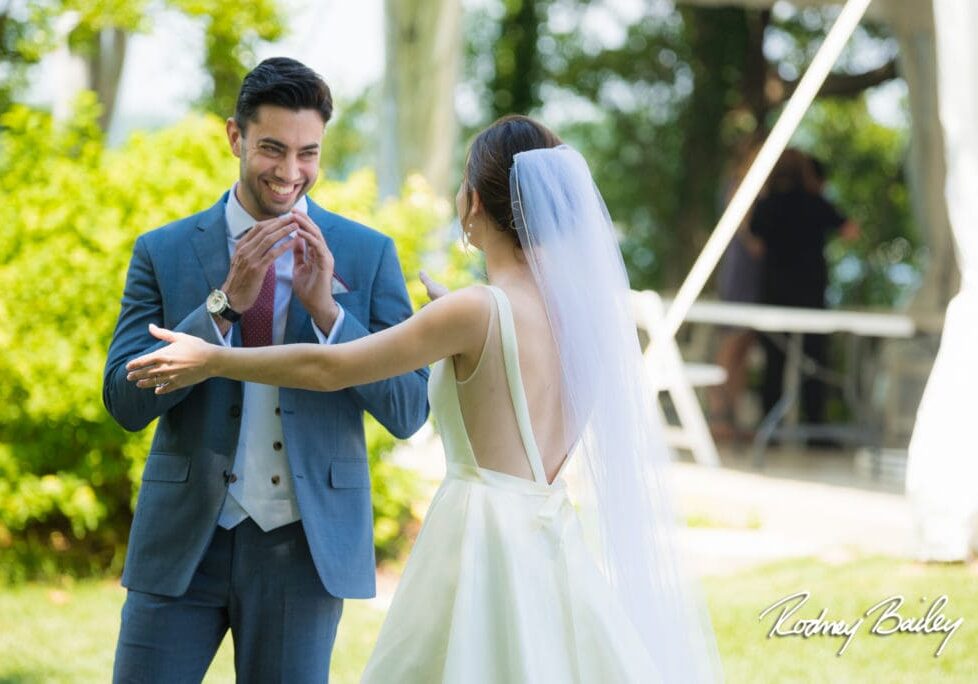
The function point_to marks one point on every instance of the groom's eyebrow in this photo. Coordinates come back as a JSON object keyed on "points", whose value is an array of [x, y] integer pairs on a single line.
{"points": [[282, 146]]}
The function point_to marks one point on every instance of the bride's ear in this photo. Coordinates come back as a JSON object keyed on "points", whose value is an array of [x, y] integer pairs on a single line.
{"points": [[475, 203]]}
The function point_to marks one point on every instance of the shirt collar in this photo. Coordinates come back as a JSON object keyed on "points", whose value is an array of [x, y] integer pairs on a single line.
{"points": [[239, 220]]}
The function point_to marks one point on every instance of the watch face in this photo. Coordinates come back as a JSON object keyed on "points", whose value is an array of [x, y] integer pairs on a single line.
{"points": [[217, 301]]}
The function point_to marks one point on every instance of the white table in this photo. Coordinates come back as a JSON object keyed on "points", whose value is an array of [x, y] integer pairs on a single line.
{"points": [[795, 323], [796, 320]]}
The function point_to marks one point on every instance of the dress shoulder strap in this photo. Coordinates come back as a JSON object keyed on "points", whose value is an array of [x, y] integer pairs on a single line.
{"points": [[514, 378]]}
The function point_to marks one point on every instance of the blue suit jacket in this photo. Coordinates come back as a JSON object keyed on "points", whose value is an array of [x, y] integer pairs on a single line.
{"points": [[173, 268]]}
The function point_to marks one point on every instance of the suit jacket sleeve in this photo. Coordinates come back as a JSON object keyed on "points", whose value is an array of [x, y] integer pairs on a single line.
{"points": [[142, 303], [399, 403]]}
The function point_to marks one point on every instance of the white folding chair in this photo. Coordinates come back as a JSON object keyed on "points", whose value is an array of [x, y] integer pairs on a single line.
{"points": [[670, 374]]}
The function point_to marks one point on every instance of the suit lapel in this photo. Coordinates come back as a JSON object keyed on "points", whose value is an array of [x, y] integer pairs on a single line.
{"points": [[210, 242]]}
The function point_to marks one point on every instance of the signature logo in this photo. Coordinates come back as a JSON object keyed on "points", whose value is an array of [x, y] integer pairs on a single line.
{"points": [[886, 614]]}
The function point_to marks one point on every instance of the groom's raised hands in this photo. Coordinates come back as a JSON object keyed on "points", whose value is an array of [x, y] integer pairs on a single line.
{"points": [[253, 254], [312, 275]]}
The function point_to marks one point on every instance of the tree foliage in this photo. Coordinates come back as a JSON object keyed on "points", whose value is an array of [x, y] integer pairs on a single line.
{"points": [[866, 178], [663, 100], [232, 32], [28, 31], [68, 473]]}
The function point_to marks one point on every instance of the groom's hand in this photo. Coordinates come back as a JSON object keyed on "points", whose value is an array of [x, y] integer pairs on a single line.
{"points": [[434, 288], [312, 277], [253, 254]]}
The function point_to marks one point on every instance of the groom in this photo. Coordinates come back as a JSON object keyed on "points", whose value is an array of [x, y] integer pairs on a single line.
{"points": [[254, 511]]}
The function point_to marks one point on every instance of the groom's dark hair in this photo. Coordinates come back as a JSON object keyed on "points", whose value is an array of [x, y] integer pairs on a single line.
{"points": [[282, 82]]}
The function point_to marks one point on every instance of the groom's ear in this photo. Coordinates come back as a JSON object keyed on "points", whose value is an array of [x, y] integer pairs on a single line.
{"points": [[234, 136]]}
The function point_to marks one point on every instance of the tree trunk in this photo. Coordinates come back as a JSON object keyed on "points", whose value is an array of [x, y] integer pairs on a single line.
{"points": [[95, 63], [516, 76], [719, 47], [424, 47], [105, 70]]}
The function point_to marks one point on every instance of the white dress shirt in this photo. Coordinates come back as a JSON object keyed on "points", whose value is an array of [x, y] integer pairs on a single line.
{"points": [[261, 483]]}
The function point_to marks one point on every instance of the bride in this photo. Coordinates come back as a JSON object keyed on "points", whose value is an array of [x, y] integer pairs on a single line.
{"points": [[538, 368]]}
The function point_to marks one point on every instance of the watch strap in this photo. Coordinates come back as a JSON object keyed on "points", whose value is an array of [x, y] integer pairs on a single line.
{"points": [[230, 314]]}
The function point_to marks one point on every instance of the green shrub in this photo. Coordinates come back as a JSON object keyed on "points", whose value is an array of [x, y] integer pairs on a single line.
{"points": [[71, 211]]}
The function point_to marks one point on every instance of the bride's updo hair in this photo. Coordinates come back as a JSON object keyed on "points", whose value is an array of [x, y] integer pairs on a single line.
{"points": [[491, 159]]}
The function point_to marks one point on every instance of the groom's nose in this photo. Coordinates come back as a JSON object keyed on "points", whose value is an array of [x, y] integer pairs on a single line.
{"points": [[288, 169]]}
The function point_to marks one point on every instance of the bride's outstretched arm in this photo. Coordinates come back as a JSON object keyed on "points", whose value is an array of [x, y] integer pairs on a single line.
{"points": [[452, 324]]}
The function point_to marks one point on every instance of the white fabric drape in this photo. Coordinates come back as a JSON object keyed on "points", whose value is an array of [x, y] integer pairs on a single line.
{"points": [[942, 470]]}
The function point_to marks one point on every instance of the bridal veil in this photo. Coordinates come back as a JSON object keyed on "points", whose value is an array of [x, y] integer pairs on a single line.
{"points": [[569, 241]]}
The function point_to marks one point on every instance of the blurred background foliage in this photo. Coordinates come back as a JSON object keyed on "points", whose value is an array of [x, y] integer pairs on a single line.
{"points": [[661, 102], [98, 32]]}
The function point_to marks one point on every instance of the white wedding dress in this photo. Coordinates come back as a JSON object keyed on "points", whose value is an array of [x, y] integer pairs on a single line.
{"points": [[500, 586]]}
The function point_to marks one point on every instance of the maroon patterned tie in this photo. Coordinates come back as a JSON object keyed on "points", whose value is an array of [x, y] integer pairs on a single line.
{"points": [[256, 323]]}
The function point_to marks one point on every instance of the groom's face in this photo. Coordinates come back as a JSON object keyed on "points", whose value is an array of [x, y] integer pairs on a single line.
{"points": [[279, 153]]}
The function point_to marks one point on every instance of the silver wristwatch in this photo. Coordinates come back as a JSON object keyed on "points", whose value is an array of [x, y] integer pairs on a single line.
{"points": [[217, 305]]}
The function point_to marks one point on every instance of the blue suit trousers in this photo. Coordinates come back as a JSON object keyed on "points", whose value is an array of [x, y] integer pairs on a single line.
{"points": [[263, 586]]}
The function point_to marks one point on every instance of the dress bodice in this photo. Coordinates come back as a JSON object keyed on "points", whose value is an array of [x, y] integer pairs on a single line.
{"points": [[497, 397]]}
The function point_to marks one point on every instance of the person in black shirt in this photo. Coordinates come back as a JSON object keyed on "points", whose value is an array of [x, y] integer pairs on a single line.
{"points": [[794, 221]]}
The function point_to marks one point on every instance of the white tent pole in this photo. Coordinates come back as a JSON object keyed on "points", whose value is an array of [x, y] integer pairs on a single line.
{"points": [[770, 152]]}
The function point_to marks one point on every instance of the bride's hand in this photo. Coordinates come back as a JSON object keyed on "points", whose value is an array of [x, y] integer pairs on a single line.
{"points": [[435, 289], [184, 362]]}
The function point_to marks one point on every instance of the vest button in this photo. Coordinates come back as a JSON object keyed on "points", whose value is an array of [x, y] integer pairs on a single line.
{"points": [[235, 411], [275, 479], [278, 411], [277, 446]]}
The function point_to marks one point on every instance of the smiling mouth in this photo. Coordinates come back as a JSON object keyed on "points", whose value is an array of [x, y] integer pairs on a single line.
{"points": [[282, 192]]}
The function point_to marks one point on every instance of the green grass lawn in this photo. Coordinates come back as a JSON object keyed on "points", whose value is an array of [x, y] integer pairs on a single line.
{"points": [[67, 634], [53, 634]]}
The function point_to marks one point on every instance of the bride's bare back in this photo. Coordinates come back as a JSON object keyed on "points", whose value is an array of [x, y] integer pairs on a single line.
{"points": [[484, 396]]}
